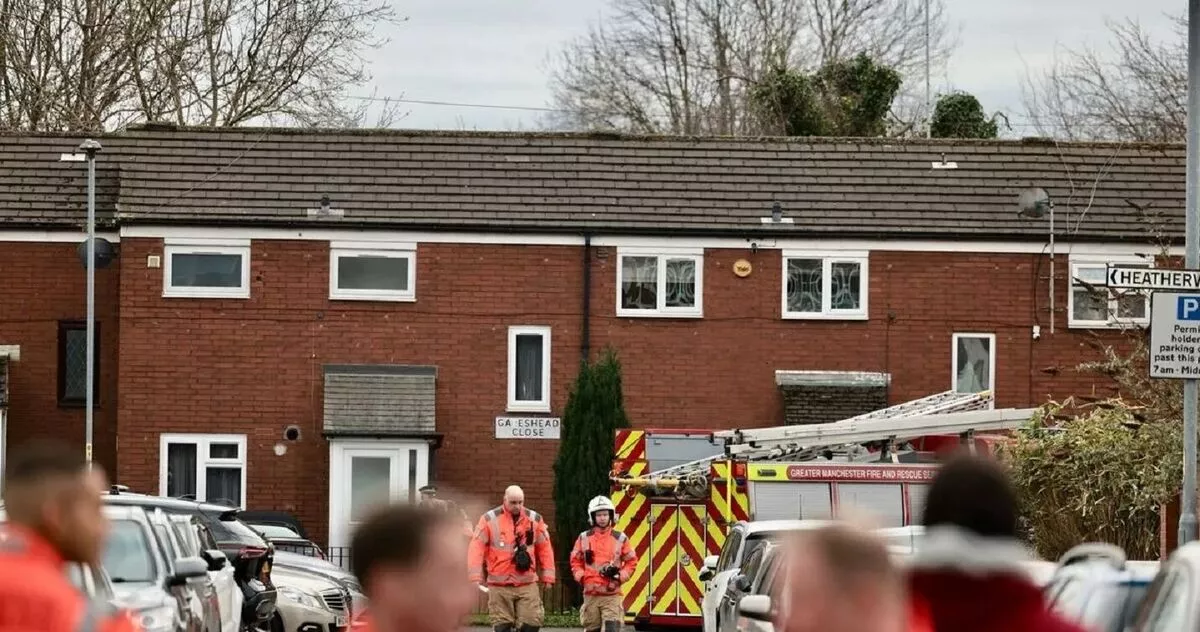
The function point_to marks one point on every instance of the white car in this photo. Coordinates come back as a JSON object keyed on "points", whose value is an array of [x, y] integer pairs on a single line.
{"points": [[743, 539], [307, 601], [197, 541]]}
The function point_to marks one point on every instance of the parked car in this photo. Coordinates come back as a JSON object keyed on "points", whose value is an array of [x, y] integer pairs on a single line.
{"points": [[203, 593], [328, 570], [1172, 601], [197, 541], [755, 610], [286, 539], [311, 603], [90, 580], [147, 579], [251, 555], [1096, 587], [750, 580], [743, 539]]}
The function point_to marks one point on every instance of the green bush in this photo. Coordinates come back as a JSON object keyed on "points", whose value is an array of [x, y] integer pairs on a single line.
{"points": [[1099, 474]]}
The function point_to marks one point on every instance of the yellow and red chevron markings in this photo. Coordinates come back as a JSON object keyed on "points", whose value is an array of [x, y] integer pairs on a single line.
{"points": [[633, 512]]}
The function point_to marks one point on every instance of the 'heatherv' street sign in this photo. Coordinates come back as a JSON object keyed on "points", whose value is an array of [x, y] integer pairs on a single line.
{"points": [[1129, 278]]}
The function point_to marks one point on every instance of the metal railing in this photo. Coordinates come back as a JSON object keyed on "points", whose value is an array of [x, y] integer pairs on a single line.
{"points": [[558, 599]]}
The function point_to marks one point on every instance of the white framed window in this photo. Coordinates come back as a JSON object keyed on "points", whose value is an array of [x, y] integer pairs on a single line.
{"points": [[205, 467], [529, 369], [825, 285], [660, 282], [364, 271], [973, 364], [1091, 305], [206, 268]]}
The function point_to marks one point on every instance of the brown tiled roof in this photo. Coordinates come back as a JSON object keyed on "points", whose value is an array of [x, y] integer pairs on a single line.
{"points": [[602, 183]]}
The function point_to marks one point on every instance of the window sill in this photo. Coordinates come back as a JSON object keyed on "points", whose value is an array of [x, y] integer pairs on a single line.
{"points": [[206, 293], [78, 405], [824, 316], [525, 408], [1113, 326], [381, 298], [646, 313]]}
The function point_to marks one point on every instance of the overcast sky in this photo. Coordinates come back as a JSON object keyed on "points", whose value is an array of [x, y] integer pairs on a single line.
{"points": [[494, 52]]}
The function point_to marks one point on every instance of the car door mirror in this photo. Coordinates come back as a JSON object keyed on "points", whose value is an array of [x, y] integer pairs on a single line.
{"points": [[710, 562], [742, 583], [187, 568], [756, 607], [705, 574], [216, 559]]}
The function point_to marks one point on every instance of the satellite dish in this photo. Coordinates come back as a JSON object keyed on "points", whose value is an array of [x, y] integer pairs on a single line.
{"points": [[105, 253], [1034, 202]]}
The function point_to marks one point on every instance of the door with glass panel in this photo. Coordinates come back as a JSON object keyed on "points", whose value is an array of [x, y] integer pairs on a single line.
{"points": [[365, 475]]}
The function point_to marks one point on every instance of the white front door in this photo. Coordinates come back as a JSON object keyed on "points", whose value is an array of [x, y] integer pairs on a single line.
{"points": [[366, 473]]}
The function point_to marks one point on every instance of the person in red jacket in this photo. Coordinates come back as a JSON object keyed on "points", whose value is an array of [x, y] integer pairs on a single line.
{"points": [[601, 562], [966, 574], [514, 543], [54, 515]]}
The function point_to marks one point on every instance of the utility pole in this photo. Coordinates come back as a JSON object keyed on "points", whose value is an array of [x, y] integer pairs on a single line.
{"points": [[90, 147], [1187, 514], [928, 91]]}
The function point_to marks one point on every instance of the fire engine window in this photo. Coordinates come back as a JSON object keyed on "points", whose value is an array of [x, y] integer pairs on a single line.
{"points": [[881, 501]]}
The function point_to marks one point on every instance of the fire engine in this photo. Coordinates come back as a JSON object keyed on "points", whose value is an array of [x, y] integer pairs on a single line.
{"points": [[677, 492]]}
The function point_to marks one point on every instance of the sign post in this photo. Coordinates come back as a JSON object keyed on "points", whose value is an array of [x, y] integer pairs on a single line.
{"points": [[1175, 338], [1191, 213]]}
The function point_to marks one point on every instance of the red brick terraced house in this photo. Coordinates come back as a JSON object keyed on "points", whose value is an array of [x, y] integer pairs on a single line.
{"points": [[304, 320]]}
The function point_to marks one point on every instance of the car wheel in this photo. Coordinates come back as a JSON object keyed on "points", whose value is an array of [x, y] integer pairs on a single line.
{"points": [[276, 623]]}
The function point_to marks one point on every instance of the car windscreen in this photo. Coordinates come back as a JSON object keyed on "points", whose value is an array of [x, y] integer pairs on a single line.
{"points": [[127, 554], [276, 531], [235, 532]]}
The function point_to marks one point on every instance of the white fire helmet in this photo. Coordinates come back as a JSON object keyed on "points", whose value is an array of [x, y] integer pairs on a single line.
{"points": [[601, 503]]}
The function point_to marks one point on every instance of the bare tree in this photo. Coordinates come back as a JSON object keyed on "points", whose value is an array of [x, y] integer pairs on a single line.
{"points": [[688, 66], [1137, 92], [103, 64]]}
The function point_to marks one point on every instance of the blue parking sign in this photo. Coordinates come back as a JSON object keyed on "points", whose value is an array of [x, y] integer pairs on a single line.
{"points": [[1187, 307]]}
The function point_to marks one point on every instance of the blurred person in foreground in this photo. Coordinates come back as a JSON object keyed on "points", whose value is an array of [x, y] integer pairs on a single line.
{"points": [[839, 579], [55, 515], [967, 574], [411, 562]]}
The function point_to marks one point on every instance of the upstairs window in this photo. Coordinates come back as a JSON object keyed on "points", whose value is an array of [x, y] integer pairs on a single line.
{"points": [[372, 272], [72, 364], [825, 285], [209, 268], [659, 283], [529, 369], [1092, 305]]}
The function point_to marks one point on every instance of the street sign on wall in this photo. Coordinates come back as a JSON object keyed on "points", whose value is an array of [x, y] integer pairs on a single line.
{"points": [[528, 427], [1175, 335]]}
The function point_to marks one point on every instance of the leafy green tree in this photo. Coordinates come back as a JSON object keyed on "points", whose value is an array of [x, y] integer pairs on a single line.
{"points": [[843, 98], [960, 115], [595, 409]]}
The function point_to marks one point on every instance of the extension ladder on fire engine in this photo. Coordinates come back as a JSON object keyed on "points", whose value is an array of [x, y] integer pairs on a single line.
{"points": [[944, 402]]}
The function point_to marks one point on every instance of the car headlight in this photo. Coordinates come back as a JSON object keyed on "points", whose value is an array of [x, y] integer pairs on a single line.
{"points": [[156, 618], [300, 597]]}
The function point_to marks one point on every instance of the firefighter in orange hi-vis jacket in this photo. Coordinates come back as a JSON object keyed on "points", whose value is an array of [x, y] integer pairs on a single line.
{"points": [[514, 542], [601, 562]]}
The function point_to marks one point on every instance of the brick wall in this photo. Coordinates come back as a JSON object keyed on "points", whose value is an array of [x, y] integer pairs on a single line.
{"points": [[42, 284], [253, 366], [818, 397]]}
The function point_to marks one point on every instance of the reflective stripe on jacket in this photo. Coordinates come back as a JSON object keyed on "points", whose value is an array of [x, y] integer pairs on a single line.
{"points": [[495, 543], [608, 546], [35, 593]]}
